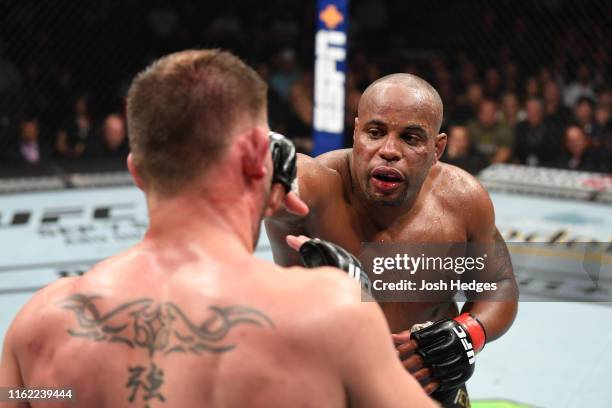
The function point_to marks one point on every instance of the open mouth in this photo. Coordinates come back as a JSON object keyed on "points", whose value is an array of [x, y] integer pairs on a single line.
{"points": [[386, 180], [387, 175]]}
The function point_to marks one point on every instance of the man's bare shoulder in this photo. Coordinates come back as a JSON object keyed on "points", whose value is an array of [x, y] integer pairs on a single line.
{"points": [[330, 306], [320, 176], [326, 284], [324, 166], [462, 193], [41, 308], [336, 159], [457, 187], [47, 301]]}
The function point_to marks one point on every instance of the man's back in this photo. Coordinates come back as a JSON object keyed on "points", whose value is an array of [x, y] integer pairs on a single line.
{"points": [[130, 333], [143, 329]]}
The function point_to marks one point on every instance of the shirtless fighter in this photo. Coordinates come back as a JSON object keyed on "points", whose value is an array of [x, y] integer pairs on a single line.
{"points": [[189, 317], [390, 187]]}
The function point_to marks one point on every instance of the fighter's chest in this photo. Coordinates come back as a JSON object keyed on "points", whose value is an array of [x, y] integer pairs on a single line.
{"points": [[345, 226]]}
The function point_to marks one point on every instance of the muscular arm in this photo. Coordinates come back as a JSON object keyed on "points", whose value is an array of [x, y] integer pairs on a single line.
{"points": [[26, 324], [360, 345], [311, 180], [10, 375], [496, 316]]}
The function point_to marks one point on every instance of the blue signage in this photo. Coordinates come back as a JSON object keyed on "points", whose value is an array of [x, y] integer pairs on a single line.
{"points": [[330, 74]]}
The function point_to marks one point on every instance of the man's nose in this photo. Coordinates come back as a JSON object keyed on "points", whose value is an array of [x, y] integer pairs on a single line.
{"points": [[390, 151]]}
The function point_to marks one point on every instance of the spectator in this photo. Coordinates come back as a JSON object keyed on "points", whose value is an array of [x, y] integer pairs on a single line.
{"points": [[353, 95], [372, 73], [532, 88], [602, 117], [581, 88], [584, 115], [554, 110], [300, 120], [77, 133], [511, 110], [493, 83], [460, 152], [602, 60], [286, 74], [10, 92], [113, 143], [604, 98], [544, 76], [602, 126], [31, 149], [491, 137], [444, 84], [468, 75], [535, 143], [578, 154], [511, 77], [302, 101], [278, 110], [10, 77], [469, 106]]}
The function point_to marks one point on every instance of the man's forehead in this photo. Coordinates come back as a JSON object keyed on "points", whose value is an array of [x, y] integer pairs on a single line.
{"points": [[397, 103]]}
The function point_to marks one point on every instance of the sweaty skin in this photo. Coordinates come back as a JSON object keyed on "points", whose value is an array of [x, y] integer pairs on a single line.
{"points": [[396, 132], [189, 317]]}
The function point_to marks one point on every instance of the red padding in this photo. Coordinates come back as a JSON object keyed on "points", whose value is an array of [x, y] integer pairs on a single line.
{"points": [[474, 328]]}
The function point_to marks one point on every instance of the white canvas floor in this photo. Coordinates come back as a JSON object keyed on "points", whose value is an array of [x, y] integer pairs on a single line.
{"points": [[557, 354]]}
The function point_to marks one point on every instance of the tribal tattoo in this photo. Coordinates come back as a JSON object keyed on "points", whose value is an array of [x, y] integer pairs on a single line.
{"points": [[158, 328]]}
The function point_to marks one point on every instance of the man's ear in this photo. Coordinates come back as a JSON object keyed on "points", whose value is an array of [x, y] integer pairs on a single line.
{"points": [[355, 128], [255, 152], [134, 172], [440, 145]]}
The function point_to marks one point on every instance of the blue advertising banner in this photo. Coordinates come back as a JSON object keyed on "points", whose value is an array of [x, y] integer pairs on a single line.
{"points": [[330, 74]]}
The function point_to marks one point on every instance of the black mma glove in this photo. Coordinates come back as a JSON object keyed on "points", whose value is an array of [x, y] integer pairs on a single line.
{"points": [[284, 160], [449, 348], [317, 252]]}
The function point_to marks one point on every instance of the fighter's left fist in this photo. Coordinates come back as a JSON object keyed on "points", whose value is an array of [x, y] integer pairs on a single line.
{"points": [[449, 347], [284, 159]]}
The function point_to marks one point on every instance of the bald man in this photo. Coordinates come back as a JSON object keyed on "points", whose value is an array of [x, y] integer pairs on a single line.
{"points": [[189, 317], [391, 188]]}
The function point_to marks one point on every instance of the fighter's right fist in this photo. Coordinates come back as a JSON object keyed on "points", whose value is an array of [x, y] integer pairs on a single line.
{"points": [[283, 159], [317, 252], [448, 347]]}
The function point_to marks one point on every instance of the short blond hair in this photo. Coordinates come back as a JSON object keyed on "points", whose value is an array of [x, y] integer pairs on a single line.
{"points": [[180, 110]]}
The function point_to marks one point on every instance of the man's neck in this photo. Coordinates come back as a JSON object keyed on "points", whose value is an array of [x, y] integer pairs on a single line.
{"points": [[196, 222]]}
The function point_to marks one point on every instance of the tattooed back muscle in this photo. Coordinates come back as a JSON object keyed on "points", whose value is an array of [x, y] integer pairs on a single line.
{"points": [[130, 333]]}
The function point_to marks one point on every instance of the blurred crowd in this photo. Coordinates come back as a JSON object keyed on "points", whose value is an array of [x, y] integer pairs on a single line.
{"points": [[521, 83]]}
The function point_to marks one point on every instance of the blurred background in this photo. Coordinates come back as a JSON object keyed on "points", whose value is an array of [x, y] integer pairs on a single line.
{"points": [[527, 92], [522, 81]]}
